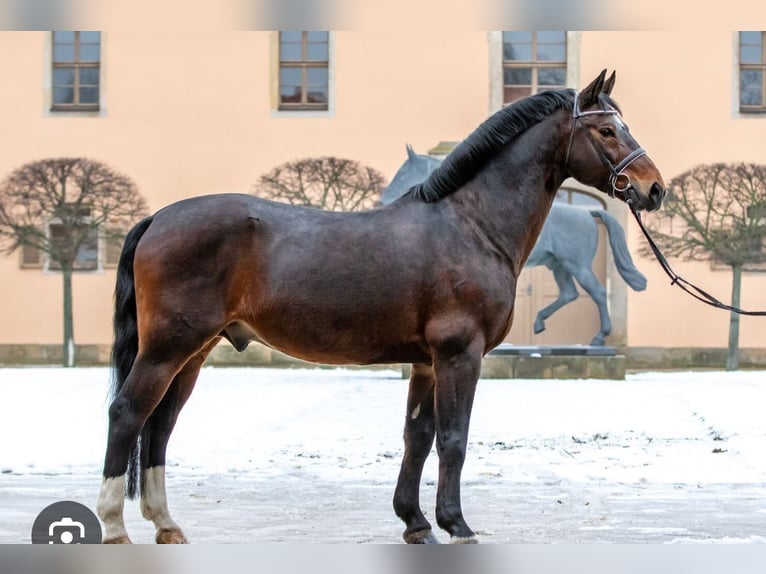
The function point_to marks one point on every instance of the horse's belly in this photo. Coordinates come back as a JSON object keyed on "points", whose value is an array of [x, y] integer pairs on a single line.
{"points": [[337, 340], [320, 352]]}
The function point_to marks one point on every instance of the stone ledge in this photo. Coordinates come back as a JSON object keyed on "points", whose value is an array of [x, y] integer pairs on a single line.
{"points": [[524, 360], [542, 364], [548, 350], [654, 358], [553, 367]]}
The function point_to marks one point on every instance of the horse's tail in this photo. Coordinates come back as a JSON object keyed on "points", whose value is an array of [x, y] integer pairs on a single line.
{"points": [[622, 258], [125, 346]]}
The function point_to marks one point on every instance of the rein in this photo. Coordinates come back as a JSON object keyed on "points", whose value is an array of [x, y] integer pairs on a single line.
{"points": [[690, 288], [628, 194]]}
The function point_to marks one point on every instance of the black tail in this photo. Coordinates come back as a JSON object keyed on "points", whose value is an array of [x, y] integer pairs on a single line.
{"points": [[622, 259], [125, 346]]}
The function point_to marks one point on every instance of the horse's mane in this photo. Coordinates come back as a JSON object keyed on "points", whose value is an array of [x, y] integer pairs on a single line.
{"points": [[479, 147]]}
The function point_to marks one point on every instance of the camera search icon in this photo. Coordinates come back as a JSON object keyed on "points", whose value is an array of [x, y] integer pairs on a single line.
{"points": [[66, 522]]}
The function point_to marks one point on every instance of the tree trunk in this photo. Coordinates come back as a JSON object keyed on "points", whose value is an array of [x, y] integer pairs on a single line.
{"points": [[68, 354], [732, 358]]}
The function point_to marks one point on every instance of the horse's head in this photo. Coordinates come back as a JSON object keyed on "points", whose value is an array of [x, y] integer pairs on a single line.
{"points": [[602, 153], [415, 169]]}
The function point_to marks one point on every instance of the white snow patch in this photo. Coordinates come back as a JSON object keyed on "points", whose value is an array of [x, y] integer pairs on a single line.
{"points": [[688, 428]]}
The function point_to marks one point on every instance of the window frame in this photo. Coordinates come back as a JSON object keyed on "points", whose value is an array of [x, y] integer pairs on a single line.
{"points": [[110, 248], [76, 64], [569, 194], [761, 67], [304, 64], [535, 65]]}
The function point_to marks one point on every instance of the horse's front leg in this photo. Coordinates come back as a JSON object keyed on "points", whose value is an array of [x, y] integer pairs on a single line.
{"points": [[456, 373], [419, 433], [567, 294]]}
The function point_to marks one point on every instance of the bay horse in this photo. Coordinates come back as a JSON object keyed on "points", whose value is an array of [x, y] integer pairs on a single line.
{"points": [[428, 280], [567, 246]]}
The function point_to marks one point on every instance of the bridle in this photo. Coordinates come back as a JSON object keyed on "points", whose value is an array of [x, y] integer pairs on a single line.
{"points": [[618, 180], [628, 194]]}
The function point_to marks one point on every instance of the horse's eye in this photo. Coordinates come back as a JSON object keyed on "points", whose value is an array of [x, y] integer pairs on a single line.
{"points": [[606, 132]]}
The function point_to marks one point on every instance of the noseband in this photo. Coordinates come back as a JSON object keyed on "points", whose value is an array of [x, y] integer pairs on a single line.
{"points": [[619, 180]]}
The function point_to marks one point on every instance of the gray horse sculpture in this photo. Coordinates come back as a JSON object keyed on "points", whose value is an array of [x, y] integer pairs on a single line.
{"points": [[567, 246]]}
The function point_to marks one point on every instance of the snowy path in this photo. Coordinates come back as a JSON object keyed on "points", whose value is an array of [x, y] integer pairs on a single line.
{"points": [[313, 455]]}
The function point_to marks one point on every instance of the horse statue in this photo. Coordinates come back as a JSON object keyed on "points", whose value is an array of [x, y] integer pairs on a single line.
{"points": [[567, 246], [428, 279]]}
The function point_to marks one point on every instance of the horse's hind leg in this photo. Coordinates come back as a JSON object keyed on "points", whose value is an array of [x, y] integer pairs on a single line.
{"points": [[567, 294], [143, 390], [157, 430], [419, 433], [597, 293]]}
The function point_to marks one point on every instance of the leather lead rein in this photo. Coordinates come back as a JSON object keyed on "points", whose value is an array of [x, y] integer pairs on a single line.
{"points": [[690, 288]]}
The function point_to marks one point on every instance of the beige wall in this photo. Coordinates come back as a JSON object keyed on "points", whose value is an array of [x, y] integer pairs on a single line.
{"points": [[681, 110], [190, 112]]}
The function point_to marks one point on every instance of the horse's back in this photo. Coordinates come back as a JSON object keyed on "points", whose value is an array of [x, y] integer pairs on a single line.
{"points": [[324, 286]]}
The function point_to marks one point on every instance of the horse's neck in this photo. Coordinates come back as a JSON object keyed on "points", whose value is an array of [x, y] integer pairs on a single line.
{"points": [[432, 163], [512, 197]]}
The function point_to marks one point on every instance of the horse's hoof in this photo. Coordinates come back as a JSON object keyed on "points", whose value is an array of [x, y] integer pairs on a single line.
{"points": [[464, 539], [598, 341], [539, 328], [118, 540], [422, 537], [171, 536]]}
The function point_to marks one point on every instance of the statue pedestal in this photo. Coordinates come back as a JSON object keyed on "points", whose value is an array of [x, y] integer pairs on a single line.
{"points": [[550, 362], [553, 362], [507, 349]]}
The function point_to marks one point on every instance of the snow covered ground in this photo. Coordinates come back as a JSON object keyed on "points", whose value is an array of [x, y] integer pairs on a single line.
{"points": [[313, 456]]}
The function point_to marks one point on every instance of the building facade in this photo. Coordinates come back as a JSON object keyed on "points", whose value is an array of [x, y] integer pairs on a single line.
{"points": [[187, 112]]}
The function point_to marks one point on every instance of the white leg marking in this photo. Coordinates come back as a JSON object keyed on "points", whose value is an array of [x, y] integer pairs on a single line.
{"points": [[415, 412], [111, 501], [154, 502], [464, 540]]}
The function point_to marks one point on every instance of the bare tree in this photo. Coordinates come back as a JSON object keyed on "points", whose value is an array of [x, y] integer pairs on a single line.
{"points": [[328, 183], [63, 207], [716, 212]]}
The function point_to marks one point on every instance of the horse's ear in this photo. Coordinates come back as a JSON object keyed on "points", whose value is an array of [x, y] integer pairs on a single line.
{"points": [[609, 84], [589, 96], [411, 152]]}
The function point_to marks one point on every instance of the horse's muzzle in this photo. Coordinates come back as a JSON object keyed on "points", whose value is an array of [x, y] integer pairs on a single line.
{"points": [[656, 195]]}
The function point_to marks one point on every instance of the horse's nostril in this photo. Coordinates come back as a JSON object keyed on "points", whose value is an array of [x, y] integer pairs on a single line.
{"points": [[656, 195]]}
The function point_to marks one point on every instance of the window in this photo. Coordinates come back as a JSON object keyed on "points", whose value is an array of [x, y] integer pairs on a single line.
{"points": [[76, 70], [31, 257], [98, 248], [87, 254], [752, 71], [87, 258], [533, 62], [304, 70]]}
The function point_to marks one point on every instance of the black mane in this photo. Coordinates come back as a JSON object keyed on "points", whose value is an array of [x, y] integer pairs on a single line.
{"points": [[486, 140]]}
